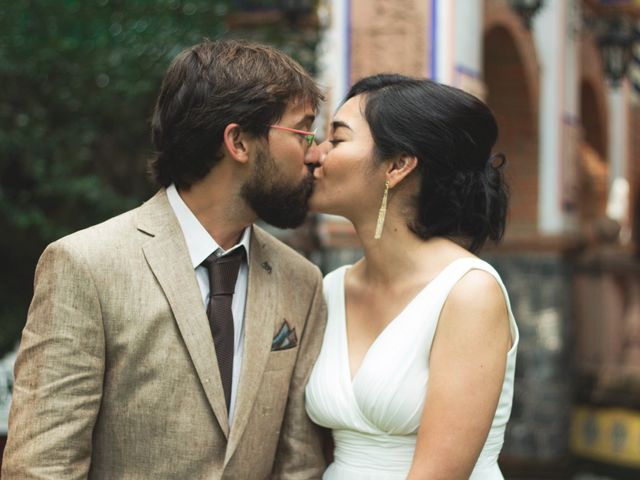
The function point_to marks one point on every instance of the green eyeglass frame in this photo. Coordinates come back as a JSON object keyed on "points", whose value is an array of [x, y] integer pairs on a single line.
{"points": [[309, 137]]}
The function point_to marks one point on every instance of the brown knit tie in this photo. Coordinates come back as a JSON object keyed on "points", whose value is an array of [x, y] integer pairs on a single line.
{"points": [[223, 272]]}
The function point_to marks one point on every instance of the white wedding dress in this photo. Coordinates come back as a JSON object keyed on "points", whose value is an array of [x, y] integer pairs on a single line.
{"points": [[375, 418]]}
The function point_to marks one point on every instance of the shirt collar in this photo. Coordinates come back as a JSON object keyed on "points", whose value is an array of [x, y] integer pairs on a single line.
{"points": [[199, 243]]}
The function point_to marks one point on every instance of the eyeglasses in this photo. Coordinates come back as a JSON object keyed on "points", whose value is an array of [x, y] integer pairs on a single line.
{"points": [[309, 137]]}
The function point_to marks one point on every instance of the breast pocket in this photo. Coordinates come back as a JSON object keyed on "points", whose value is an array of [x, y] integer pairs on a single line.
{"points": [[282, 359]]}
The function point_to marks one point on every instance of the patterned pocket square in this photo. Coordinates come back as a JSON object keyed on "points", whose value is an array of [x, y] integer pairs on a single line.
{"points": [[285, 338]]}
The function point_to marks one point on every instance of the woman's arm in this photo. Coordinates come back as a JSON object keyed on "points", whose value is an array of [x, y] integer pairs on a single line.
{"points": [[467, 368]]}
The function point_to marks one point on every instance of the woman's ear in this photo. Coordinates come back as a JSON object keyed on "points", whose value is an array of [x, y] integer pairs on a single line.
{"points": [[236, 143], [400, 168]]}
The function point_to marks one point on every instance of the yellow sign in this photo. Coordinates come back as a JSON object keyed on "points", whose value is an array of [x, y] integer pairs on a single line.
{"points": [[610, 435]]}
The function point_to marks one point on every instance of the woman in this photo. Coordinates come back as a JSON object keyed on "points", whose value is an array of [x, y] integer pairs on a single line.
{"points": [[415, 376]]}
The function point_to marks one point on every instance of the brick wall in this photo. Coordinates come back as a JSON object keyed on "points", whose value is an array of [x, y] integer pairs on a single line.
{"points": [[634, 174], [593, 182], [510, 100], [593, 98]]}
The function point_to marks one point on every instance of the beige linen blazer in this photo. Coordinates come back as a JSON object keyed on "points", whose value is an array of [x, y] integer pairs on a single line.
{"points": [[117, 378]]}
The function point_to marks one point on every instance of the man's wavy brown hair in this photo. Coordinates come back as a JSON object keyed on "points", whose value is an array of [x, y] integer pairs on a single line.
{"points": [[207, 87]]}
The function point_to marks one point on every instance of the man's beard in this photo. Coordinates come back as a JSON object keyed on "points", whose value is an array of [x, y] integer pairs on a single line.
{"points": [[275, 202]]}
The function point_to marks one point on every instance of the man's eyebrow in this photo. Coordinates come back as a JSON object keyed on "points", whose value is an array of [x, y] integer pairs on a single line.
{"points": [[336, 124], [307, 120]]}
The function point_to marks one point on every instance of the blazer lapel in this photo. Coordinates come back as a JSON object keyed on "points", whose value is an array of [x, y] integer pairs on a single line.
{"points": [[167, 255], [260, 311]]}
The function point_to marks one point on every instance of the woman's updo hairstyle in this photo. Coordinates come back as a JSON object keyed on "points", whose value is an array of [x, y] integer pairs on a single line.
{"points": [[451, 133]]}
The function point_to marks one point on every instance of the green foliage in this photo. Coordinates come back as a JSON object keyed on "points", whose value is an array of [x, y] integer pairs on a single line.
{"points": [[78, 79]]}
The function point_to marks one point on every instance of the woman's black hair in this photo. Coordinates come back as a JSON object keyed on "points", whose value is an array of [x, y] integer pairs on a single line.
{"points": [[462, 189]]}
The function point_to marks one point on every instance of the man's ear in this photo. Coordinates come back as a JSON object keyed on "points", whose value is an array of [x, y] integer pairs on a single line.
{"points": [[400, 167], [236, 142]]}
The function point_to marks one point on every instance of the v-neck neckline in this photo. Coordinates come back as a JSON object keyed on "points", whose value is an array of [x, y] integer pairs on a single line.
{"points": [[343, 308]]}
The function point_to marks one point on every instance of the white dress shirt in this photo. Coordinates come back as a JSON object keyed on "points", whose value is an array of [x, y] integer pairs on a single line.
{"points": [[200, 245]]}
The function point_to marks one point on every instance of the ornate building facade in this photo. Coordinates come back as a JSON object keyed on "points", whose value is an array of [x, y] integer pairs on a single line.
{"points": [[569, 120]]}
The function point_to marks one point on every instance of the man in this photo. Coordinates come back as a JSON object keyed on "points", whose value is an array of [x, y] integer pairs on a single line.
{"points": [[175, 340]]}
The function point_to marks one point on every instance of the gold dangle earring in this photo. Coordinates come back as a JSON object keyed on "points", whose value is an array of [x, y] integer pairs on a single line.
{"points": [[382, 212]]}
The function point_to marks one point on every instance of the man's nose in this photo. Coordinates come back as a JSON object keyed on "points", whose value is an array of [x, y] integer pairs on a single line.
{"points": [[317, 153], [314, 155]]}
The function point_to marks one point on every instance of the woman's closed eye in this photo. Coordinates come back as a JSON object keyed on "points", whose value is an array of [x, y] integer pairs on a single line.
{"points": [[335, 141]]}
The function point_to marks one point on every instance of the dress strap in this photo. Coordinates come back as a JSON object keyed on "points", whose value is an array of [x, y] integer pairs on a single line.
{"points": [[452, 274]]}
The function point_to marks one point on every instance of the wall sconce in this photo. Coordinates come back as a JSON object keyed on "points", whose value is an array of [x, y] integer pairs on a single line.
{"points": [[615, 40], [526, 9]]}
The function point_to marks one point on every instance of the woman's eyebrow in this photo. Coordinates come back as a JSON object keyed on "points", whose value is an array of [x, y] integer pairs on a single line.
{"points": [[339, 124]]}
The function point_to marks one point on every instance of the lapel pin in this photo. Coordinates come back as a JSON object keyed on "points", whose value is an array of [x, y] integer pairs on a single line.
{"points": [[267, 267]]}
